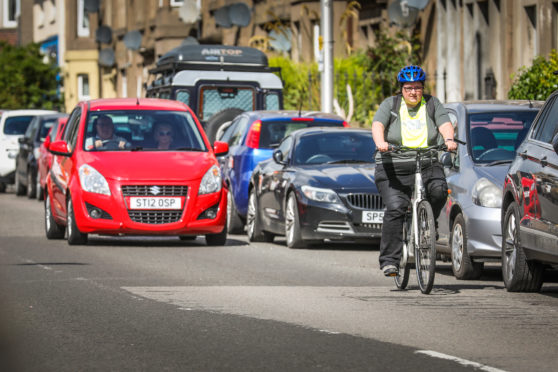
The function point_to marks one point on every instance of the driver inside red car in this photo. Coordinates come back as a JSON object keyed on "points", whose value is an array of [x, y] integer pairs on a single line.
{"points": [[105, 139]]}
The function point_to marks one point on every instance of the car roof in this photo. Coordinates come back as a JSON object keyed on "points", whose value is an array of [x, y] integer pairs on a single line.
{"points": [[135, 104], [27, 112], [284, 114], [496, 105], [317, 130]]}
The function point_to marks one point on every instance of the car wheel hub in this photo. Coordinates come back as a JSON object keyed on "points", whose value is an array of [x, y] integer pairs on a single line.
{"points": [[457, 246], [289, 220], [510, 249]]}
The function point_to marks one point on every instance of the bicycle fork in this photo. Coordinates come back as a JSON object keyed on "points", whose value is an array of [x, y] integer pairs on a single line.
{"points": [[418, 195]]}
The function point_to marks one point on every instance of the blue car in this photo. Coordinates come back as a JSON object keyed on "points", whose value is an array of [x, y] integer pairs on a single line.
{"points": [[252, 136]]}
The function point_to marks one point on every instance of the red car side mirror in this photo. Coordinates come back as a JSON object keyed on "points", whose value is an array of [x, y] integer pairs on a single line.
{"points": [[220, 148], [59, 148]]}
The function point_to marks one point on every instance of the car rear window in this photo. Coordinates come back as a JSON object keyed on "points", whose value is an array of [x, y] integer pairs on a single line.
{"points": [[273, 132], [145, 130], [45, 127], [17, 125], [495, 136], [215, 99]]}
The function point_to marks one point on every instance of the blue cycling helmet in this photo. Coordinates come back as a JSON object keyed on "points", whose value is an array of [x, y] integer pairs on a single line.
{"points": [[411, 73]]}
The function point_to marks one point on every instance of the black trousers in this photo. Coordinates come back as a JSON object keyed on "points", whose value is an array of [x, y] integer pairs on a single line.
{"points": [[396, 187]]}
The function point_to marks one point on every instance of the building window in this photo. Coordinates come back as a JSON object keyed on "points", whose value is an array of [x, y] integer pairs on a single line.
{"points": [[83, 87], [11, 12], [82, 20], [176, 2], [531, 15]]}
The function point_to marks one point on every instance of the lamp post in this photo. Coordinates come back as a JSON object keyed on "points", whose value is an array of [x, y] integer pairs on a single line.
{"points": [[327, 73]]}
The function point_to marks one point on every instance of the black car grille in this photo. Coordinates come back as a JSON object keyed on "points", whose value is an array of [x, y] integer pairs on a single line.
{"points": [[154, 217], [365, 201], [154, 190]]}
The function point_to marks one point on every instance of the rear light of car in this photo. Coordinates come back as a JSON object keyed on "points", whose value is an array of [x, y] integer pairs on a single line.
{"points": [[253, 139], [345, 124], [302, 119]]}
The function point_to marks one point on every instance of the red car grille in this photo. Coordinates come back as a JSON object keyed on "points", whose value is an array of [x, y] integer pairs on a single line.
{"points": [[154, 217]]}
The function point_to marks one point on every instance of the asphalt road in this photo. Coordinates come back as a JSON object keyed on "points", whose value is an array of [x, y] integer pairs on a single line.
{"points": [[160, 304]]}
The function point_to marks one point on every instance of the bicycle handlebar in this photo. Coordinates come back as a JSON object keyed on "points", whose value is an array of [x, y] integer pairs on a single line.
{"points": [[442, 147]]}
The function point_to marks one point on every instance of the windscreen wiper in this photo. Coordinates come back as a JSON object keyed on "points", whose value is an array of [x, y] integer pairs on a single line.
{"points": [[349, 161], [498, 162]]}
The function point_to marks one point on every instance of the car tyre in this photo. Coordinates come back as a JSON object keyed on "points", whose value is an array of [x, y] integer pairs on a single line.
{"points": [[519, 274], [217, 239], [75, 237], [40, 190], [52, 229], [253, 222], [19, 188], [31, 185], [462, 264], [215, 122], [292, 224], [234, 222]]}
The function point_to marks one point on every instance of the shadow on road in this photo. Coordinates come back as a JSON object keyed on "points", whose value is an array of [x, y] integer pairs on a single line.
{"points": [[155, 241]]}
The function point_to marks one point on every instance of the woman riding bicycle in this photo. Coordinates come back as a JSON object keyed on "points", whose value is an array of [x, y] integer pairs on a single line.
{"points": [[408, 119]]}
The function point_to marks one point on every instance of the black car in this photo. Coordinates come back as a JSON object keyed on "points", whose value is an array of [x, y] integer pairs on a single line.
{"points": [[318, 185], [26, 161], [530, 205]]}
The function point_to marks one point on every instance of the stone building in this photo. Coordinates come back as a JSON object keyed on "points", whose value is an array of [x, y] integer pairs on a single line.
{"points": [[470, 47]]}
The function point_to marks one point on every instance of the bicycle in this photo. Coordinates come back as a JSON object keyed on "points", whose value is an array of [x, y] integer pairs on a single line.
{"points": [[419, 229]]}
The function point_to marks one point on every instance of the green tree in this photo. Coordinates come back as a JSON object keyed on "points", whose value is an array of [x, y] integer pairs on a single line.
{"points": [[538, 81], [26, 80], [371, 75]]}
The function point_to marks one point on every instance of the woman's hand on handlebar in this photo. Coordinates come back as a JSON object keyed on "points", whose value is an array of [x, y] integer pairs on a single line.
{"points": [[451, 145], [383, 146]]}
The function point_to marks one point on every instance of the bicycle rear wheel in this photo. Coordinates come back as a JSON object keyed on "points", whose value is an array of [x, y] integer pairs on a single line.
{"points": [[402, 277], [425, 249]]}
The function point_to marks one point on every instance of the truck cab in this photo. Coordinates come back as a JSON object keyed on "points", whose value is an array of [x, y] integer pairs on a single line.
{"points": [[218, 82]]}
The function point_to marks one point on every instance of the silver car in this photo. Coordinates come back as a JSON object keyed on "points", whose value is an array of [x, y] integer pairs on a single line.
{"points": [[469, 225]]}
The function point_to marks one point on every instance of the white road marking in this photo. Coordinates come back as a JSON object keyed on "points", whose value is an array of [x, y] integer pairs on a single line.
{"points": [[387, 315], [463, 362]]}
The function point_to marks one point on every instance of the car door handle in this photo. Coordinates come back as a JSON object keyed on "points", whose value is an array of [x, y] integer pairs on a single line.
{"points": [[544, 161]]}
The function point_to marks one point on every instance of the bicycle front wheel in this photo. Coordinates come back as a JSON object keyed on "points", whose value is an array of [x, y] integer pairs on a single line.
{"points": [[425, 249], [402, 277]]}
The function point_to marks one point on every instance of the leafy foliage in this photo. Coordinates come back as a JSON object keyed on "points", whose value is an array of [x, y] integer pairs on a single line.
{"points": [[26, 80], [538, 81], [370, 74]]}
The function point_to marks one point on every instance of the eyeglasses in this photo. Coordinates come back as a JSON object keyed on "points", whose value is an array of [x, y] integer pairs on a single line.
{"points": [[167, 133], [410, 89]]}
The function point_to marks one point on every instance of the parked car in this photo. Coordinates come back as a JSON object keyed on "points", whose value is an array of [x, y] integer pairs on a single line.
{"points": [[469, 225], [13, 124], [44, 162], [530, 205], [26, 179], [318, 185], [252, 136], [111, 176]]}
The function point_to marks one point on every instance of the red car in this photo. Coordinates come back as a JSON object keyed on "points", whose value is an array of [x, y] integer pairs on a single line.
{"points": [[44, 162], [138, 167]]}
